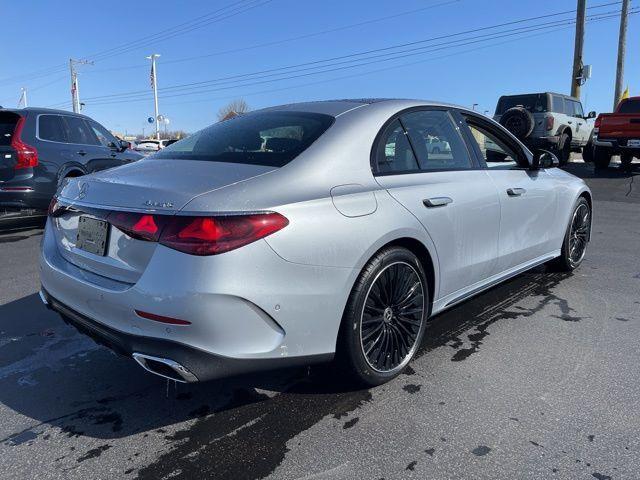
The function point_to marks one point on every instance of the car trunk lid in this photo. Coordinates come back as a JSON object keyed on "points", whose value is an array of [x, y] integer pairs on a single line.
{"points": [[155, 186]]}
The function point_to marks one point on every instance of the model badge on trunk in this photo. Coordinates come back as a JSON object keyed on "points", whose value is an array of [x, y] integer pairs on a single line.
{"points": [[149, 203]]}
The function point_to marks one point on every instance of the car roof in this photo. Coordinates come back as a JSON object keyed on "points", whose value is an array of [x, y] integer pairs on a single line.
{"points": [[339, 107], [40, 110], [540, 93]]}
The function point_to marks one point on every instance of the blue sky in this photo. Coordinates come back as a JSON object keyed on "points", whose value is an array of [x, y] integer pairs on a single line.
{"points": [[45, 34]]}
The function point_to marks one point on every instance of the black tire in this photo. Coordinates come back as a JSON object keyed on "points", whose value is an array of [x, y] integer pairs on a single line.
{"points": [[518, 121], [601, 158], [626, 161], [587, 152], [576, 238], [564, 149], [376, 341]]}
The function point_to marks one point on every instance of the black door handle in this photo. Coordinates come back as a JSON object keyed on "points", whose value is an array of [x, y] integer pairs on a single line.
{"points": [[516, 192], [437, 202], [82, 152]]}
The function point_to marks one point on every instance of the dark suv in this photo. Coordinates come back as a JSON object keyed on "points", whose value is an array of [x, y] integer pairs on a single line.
{"points": [[40, 148]]}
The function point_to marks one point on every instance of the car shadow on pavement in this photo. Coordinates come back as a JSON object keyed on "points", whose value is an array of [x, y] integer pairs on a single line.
{"points": [[57, 377]]}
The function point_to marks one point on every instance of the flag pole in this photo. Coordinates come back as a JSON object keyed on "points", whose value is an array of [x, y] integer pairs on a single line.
{"points": [[154, 86]]}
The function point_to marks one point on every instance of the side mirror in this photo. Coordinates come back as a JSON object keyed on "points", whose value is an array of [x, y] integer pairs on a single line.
{"points": [[124, 145], [592, 114], [544, 159]]}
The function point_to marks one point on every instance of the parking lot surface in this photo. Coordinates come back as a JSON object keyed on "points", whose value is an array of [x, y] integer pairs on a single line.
{"points": [[536, 378]]}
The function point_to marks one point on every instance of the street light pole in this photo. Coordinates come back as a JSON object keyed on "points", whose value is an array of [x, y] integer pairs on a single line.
{"points": [[154, 85]]}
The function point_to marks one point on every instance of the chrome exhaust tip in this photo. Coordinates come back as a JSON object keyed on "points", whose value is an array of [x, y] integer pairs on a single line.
{"points": [[43, 297], [165, 367]]}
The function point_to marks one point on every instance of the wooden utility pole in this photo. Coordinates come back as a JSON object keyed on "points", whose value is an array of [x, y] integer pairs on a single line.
{"points": [[576, 72], [622, 47]]}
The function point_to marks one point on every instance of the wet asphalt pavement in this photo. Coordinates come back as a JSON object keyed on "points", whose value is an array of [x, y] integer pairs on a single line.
{"points": [[536, 378]]}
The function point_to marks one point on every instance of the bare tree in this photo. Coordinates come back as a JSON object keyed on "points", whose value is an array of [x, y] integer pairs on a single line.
{"points": [[233, 109]]}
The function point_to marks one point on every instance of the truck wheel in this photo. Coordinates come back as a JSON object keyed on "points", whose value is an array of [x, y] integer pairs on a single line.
{"points": [[626, 160], [601, 158], [587, 152], [564, 149]]}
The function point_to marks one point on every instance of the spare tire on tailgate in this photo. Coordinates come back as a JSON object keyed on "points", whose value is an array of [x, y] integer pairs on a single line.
{"points": [[518, 121]]}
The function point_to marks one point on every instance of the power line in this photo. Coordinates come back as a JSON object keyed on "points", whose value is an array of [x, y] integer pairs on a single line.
{"points": [[218, 15], [201, 92], [129, 96], [287, 40], [369, 72]]}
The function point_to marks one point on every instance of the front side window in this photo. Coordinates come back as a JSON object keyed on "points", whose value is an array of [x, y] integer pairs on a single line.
{"points": [[576, 109], [261, 138], [104, 136], [496, 153], [79, 132], [50, 127], [436, 141]]}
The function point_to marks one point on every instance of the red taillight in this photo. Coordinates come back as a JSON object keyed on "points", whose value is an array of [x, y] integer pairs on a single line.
{"points": [[214, 235], [26, 155], [136, 225], [550, 122], [598, 121], [198, 235]]}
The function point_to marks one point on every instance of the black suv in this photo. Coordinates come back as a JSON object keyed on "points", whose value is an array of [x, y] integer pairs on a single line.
{"points": [[40, 148]]}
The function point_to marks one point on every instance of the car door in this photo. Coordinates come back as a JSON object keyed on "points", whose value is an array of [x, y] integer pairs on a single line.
{"points": [[447, 192], [528, 198], [117, 154], [88, 151], [582, 129]]}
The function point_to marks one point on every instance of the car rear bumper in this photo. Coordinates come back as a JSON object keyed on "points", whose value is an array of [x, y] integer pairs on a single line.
{"points": [[619, 144], [247, 309], [166, 358]]}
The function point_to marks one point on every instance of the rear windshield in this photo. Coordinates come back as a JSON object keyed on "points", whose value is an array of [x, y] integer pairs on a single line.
{"points": [[630, 106], [535, 103], [263, 138], [7, 126]]}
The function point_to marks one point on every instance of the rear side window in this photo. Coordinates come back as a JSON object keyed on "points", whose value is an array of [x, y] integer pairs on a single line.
{"points": [[8, 123], [261, 138], [79, 132], [50, 127], [630, 106], [436, 141], [558, 104], [534, 103]]}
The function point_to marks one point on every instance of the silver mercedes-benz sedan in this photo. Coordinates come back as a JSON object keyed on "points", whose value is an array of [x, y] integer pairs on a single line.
{"points": [[305, 233]]}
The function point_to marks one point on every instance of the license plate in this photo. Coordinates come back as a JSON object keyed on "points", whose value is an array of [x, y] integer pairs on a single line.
{"points": [[92, 235], [633, 143]]}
